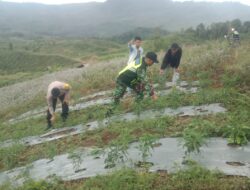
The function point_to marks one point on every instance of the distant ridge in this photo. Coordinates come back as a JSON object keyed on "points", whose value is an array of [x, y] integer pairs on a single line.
{"points": [[112, 17]]}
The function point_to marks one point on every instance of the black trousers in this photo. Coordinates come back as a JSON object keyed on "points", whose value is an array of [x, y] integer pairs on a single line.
{"points": [[65, 109]]}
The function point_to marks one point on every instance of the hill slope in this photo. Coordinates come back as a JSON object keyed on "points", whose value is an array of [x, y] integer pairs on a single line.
{"points": [[112, 17]]}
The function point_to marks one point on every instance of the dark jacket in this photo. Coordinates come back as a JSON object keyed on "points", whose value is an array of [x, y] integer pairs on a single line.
{"points": [[172, 60]]}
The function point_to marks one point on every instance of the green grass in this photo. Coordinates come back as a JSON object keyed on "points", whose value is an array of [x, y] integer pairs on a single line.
{"points": [[215, 87], [224, 78], [195, 178], [17, 66]]}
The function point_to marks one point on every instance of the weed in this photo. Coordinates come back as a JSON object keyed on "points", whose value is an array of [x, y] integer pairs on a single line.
{"points": [[117, 151], [9, 156], [192, 141], [77, 159], [146, 145], [237, 135]]}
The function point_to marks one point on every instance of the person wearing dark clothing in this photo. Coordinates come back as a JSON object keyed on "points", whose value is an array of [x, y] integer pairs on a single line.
{"points": [[172, 58], [134, 76]]}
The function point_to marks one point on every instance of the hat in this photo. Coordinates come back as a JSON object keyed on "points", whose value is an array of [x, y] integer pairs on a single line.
{"points": [[66, 86], [152, 56]]}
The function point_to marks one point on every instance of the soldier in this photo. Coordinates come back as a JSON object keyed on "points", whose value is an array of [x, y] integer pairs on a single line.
{"points": [[134, 76]]}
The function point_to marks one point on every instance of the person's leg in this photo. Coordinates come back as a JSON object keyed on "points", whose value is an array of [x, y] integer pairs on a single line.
{"points": [[65, 108], [120, 90], [118, 94], [139, 89], [175, 77], [49, 116]]}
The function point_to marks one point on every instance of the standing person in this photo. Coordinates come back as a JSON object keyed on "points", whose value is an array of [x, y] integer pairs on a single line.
{"points": [[134, 76], [57, 90], [235, 36], [135, 50], [172, 58]]}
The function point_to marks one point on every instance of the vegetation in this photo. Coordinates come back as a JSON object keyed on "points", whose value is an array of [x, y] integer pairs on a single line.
{"points": [[77, 20], [195, 178], [223, 73]]}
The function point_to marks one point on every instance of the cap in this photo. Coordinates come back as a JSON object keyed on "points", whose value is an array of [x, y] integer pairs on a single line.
{"points": [[152, 56], [66, 86]]}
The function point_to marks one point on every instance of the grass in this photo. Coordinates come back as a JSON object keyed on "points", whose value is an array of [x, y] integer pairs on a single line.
{"points": [[224, 78], [119, 134], [195, 178], [17, 66]]}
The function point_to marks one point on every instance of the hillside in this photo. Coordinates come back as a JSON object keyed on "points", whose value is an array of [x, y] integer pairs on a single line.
{"points": [[223, 75], [112, 17]]}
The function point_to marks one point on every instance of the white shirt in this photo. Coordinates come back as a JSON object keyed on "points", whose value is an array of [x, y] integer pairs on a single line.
{"points": [[134, 53]]}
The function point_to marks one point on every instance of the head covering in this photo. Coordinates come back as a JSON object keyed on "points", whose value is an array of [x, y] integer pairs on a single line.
{"points": [[66, 86], [152, 56]]}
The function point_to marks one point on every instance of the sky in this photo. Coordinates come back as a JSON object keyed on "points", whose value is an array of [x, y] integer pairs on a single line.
{"points": [[246, 2], [54, 1]]}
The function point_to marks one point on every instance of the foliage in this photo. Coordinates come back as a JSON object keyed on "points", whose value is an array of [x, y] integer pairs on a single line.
{"points": [[195, 178], [77, 159], [219, 29], [117, 150], [42, 185], [238, 134], [9, 157], [146, 145], [193, 140]]}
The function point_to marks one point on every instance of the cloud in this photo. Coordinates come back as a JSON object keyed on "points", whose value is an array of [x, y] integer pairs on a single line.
{"points": [[54, 1]]}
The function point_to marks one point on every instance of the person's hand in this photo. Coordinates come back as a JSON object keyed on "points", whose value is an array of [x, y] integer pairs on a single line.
{"points": [[154, 97], [131, 42], [53, 118], [161, 71], [66, 102], [177, 70]]}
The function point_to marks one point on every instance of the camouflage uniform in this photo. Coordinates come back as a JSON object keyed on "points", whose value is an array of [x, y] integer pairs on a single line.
{"points": [[135, 79]]}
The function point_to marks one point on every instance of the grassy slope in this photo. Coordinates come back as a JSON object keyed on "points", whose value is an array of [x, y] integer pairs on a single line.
{"points": [[28, 59], [16, 66], [224, 77]]}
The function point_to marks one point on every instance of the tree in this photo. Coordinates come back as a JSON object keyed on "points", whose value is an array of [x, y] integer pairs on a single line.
{"points": [[236, 24], [201, 31]]}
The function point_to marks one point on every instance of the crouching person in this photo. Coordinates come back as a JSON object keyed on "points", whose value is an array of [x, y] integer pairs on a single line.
{"points": [[57, 90], [134, 76]]}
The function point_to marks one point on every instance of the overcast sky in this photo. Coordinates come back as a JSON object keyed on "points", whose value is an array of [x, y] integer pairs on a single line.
{"points": [[247, 2], [54, 1]]}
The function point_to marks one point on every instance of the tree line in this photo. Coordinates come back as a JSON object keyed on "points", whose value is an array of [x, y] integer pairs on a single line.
{"points": [[219, 29]]}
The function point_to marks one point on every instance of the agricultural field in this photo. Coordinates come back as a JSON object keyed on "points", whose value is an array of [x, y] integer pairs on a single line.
{"points": [[222, 76]]}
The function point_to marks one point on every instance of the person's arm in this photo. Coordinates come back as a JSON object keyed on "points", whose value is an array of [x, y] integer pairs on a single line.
{"points": [[130, 46], [50, 105], [165, 61], [178, 59], [142, 77], [66, 97]]}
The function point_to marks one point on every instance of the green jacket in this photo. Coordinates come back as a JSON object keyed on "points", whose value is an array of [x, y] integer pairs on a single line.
{"points": [[134, 74]]}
